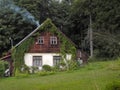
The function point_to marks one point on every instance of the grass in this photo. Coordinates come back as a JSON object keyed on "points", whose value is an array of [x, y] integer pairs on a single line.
{"points": [[94, 76]]}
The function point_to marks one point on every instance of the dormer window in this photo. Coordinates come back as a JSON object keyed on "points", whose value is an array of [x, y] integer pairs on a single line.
{"points": [[53, 40], [41, 40]]}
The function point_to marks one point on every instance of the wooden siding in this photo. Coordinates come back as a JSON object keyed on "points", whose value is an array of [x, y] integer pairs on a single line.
{"points": [[82, 55], [46, 47]]}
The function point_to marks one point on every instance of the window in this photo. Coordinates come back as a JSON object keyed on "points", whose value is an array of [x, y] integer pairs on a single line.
{"points": [[37, 61], [56, 60], [41, 40], [53, 40]]}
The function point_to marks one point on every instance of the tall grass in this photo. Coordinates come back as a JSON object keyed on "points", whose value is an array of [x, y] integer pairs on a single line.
{"points": [[94, 76]]}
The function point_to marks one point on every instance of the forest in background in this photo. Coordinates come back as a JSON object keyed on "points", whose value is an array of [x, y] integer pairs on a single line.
{"points": [[19, 17]]}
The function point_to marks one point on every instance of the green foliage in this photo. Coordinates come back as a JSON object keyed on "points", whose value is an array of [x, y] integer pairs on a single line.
{"points": [[67, 46], [24, 69], [46, 68], [72, 17], [105, 25], [18, 74], [3, 67], [33, 70], [72, 65], [62, 66], [62, 63], [107, 45], [95, 79], [10, 27], [23, 48], [18, 53], [56, 68]]}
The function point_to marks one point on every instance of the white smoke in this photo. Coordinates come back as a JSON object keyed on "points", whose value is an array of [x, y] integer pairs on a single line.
{"points": [[22, 11]]}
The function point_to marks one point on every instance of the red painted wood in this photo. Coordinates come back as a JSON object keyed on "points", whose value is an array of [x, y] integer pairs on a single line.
{"points": [[46, 47]]}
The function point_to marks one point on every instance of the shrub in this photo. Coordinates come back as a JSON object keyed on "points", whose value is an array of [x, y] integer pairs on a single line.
{"points": [[56, 68], [33, 69], [29, 70], [20, 74], [47, 68], [3, 67], [60, 67], [72, 65], [62, 64], [24, 69]]}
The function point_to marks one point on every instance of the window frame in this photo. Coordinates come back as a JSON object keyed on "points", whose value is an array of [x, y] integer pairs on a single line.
{"points": [[41, 40], [56, 60], [37, 61], [53, 40]]}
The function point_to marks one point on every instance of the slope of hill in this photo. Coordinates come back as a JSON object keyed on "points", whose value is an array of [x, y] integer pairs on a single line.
{"points": [[94, 76]]}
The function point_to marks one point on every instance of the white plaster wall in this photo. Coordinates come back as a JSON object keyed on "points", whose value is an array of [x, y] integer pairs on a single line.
{"points": [[68, 57], [47, 58]]}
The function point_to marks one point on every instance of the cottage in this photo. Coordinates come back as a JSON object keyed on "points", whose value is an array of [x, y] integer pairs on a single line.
{"points": [[46, 45]]}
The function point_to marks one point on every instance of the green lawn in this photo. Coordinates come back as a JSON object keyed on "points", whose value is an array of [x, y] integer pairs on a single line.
{"points": [[94, 76]]}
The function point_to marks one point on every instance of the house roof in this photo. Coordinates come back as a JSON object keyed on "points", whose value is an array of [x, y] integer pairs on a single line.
{"points": [[28, 36], [37, 30], [34, 31], [5, 57]]}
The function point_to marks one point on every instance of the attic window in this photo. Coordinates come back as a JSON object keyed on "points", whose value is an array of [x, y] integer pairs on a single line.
{"points": [[53, 40], [41, 40]]}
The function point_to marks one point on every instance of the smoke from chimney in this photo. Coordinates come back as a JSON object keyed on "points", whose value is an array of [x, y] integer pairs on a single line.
{"points": [[9, 4]]}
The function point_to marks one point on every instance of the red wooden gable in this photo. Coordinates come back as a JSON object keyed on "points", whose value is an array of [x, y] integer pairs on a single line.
{"points": [[46, 47]]}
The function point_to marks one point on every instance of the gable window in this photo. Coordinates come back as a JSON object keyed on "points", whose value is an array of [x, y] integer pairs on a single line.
{"points": [[53, 40], [37, 61], [56, 60], [41, 40]]}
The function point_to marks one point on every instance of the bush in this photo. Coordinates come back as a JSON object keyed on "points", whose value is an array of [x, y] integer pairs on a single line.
{"points": [[72, 65], [113, 86], [3, 67], [29, 70], [33, 69], [56, 68], [47, 68], [24, 69], [20, 74]]}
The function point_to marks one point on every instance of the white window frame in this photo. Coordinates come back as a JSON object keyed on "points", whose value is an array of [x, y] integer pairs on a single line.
{"points": [[53, 40], [41, 40], [37, 61], [56, 60]]}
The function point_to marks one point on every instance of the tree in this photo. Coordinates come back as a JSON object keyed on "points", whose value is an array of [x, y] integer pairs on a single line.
{"points": [[105, 16], [59, 12], [72, 17], [12, 25]]}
